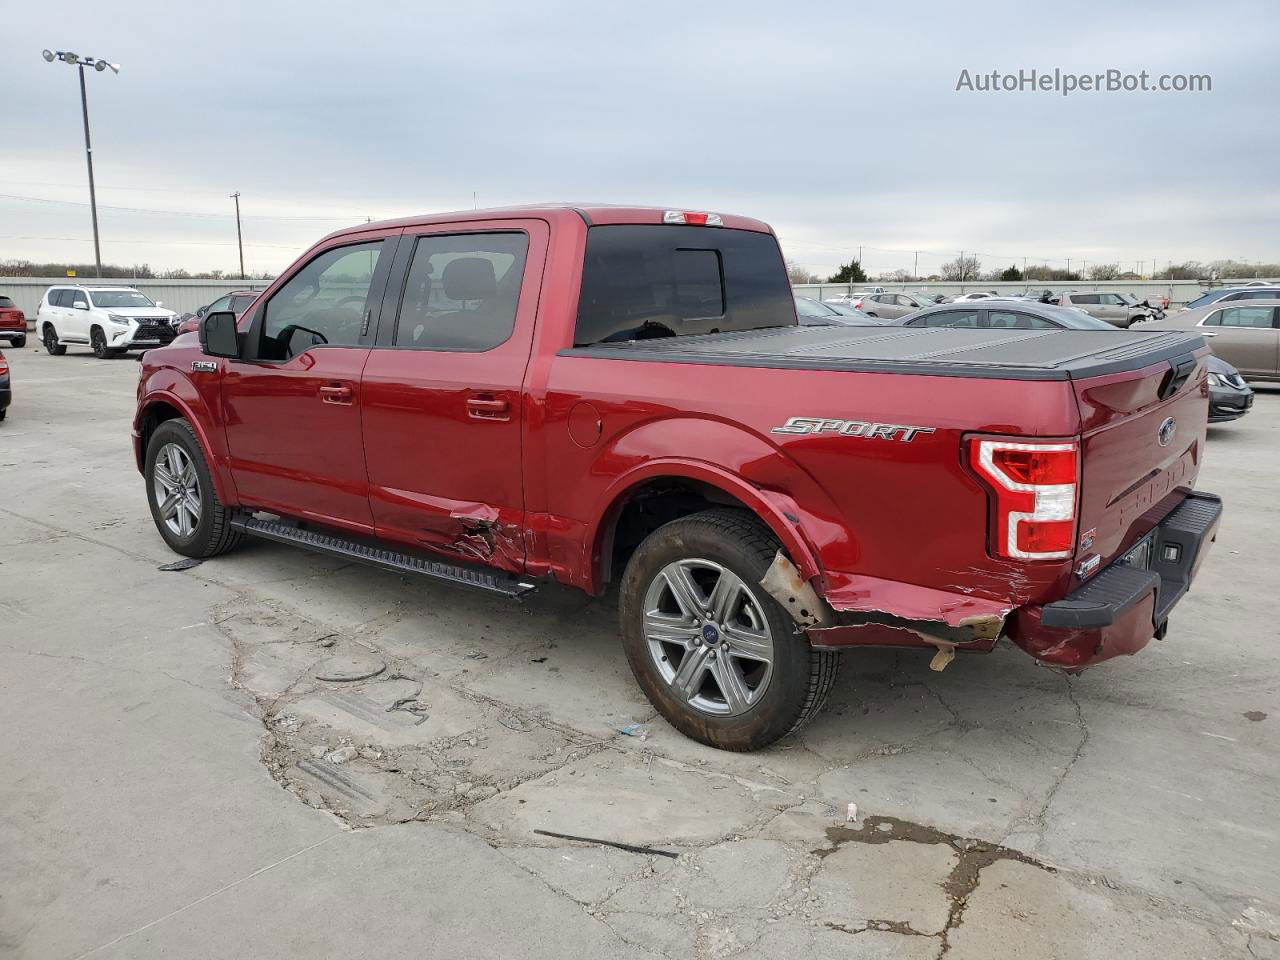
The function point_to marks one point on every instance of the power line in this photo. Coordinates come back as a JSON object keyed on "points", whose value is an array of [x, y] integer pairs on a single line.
{"points": [[167, 243], [179, 213]]}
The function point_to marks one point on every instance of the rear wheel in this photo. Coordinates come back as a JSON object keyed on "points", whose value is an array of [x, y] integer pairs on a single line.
{"points": [[184, 505], [51, 344], [718, 657], [20, 342]]}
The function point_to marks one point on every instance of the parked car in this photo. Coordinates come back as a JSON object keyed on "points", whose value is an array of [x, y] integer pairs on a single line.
{"points": [[1111, 307], [1230, 397], [681, 435], [815, 313], [1004, 314], [890, 306], [1246, 335], [1253, 291], [924, 296], [6, 388], [237, 301], [109, 319], [1154, 311], [853, 298], [13, 323], [976, 295]]}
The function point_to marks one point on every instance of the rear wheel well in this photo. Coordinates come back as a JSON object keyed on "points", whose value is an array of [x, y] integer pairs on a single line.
{"points": [[649, 507]]}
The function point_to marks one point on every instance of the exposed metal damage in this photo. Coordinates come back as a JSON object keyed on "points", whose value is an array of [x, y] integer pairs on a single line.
{"points": [[850, 621]]}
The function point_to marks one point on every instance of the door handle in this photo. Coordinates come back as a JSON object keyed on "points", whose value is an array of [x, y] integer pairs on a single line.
{"points": [[1208, 333], [335, 393], [488, 408]]}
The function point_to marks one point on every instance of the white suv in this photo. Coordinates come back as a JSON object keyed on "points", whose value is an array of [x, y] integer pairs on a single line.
{"points": [[108, 319]]}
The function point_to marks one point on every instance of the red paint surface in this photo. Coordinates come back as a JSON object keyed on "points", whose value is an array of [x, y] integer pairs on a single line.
{"points": [[900, 528]]}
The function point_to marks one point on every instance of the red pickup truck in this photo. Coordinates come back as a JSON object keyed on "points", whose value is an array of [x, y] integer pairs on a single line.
{"points": [[611, 395]]}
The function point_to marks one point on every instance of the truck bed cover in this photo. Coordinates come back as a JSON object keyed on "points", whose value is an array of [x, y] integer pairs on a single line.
{"points": [[930, 351]]}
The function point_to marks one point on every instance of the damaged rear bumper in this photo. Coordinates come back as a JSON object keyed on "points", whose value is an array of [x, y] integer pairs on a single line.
{"points": [[1125, 605], [1116, 612]]}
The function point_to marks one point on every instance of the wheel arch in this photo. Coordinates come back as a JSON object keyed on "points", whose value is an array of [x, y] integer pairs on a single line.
{"points": [[159, 408], [669, 488]]}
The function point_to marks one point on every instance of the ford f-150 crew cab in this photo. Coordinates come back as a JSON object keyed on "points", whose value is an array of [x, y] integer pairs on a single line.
{"points": [[607, 395]]}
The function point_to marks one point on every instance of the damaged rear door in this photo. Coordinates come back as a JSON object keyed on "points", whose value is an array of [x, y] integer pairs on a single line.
{"points": [[443, 389]]}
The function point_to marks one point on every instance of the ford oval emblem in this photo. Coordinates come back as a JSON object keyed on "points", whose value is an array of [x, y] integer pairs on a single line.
{"points": [[1166, 431]]}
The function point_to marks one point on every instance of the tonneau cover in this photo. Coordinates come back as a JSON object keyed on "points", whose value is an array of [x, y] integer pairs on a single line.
{"points": [[932, 351]]}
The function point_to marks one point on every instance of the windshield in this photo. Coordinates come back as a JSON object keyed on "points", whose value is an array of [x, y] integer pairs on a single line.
{"points": [[120, 298], [808, 307]]}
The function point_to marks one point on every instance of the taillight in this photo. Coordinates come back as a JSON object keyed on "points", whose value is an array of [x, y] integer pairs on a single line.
{"points": [[693, 219], [1034, 487], [858, 305], [4, 366]]}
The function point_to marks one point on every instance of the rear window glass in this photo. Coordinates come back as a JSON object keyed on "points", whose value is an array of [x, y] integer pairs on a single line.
{"points": [[642, 281], [5, 302]]}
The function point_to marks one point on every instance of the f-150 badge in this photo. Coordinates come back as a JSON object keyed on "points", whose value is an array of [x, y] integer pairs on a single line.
{"points": [[852, 428]]}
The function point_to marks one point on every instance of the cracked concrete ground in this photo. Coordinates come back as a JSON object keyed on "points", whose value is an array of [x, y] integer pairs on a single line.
{"points": [[180, 779]]}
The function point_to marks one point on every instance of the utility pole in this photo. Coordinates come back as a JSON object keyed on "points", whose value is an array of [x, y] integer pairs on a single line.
{"points": [[1068, 266], [915, 266], [80, 63], [239, 239]]}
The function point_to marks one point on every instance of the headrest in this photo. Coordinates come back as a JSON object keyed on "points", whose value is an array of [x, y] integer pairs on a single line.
{"points": [[469, 278]]}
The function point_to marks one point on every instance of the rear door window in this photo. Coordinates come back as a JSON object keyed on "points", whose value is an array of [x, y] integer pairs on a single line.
{"points": [[461, 291], [642, 281], [1010, 320], [950, 318], [241, 303], [1242, 317]]}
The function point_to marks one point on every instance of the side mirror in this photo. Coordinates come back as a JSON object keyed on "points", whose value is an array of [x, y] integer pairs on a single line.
{"points": [[218, 336], [200, 311], [159, 303], [81, 305]]}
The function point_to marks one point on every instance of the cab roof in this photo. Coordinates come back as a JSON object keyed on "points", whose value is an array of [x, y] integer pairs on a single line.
{"points": [[592, 214]]}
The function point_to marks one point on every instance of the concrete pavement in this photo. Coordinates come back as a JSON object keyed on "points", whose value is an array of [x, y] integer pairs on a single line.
{"points": [[177, 779]]}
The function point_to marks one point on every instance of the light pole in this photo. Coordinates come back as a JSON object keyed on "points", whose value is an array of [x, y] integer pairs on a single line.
{"points": [[239, 239], [80, 63]]}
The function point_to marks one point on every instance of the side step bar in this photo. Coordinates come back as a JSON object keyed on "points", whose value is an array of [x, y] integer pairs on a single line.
{"points": [[393, 560]]}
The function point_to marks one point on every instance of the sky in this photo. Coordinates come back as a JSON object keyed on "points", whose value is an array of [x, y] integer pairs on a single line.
{"points": [[839, 123]]}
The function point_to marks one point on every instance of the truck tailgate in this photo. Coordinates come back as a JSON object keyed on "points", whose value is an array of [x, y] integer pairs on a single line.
{"points": [[1143, 436]]}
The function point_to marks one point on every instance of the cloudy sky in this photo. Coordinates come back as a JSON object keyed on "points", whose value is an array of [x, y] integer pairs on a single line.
{"points": [[838, 122]]}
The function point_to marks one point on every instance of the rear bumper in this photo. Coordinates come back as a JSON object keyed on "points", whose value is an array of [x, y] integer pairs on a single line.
{"points": [[1123, 606]]}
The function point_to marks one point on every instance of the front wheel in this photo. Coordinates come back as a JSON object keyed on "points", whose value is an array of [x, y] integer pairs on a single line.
{"points": [[717, 656], [184, 505], [98, 340]]}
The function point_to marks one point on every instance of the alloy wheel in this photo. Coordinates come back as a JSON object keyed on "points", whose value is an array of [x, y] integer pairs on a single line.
{"points": [[176, 488], [709, 638]]}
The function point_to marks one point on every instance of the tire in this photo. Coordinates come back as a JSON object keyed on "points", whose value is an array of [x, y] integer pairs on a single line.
{"points": [[770, 698], [51, 344], [872, 315], [98, 340], [202, 531], [19, 342], [4, 413]]}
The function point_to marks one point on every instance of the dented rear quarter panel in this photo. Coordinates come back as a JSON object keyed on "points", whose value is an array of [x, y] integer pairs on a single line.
{"points": [[877, 515]]}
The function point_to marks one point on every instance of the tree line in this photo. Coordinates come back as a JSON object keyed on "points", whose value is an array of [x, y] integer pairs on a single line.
{"points": [[968, 269], [114, 271]]}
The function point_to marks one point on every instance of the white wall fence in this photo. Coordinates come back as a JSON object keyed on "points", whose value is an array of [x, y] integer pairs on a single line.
{"points": [[1178, 291], [184, 296]]}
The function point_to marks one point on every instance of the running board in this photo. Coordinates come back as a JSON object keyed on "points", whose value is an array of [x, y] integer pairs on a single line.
{"points": [[392, 560]]}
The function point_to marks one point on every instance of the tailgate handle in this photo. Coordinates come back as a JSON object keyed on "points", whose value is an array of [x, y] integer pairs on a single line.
{"points": [[1179, 372]]}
